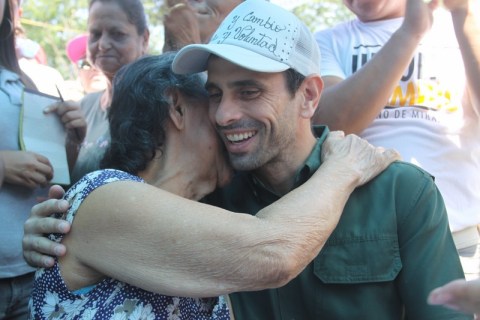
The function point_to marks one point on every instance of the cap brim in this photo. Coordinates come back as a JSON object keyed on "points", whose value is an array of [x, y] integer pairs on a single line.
{"points": [[194, 58]]}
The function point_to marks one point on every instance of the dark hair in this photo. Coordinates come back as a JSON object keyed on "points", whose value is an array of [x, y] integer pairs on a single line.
{"points": [[140, 107], [8, 56], [133, 9], [294, 80]]}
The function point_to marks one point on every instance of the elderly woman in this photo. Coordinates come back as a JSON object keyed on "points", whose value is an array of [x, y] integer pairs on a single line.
{"points": [[138, 248], [117, 35]]}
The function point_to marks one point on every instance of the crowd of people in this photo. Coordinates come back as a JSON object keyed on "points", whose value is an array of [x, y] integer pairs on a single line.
{"points": [[254, 170]]}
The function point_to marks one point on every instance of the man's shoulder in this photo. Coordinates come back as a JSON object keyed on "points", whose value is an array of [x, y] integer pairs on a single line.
{"points": [[403, 172], [399, 187]]}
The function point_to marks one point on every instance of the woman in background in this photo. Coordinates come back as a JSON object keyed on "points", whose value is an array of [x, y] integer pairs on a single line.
{"points": [[23, 176], [117, 35]]}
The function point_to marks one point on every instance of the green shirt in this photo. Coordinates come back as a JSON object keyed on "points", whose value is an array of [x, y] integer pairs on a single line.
{"points": [[391, 247]]}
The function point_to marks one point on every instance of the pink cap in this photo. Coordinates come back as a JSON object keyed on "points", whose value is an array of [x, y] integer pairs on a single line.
{"points": [[77, 48]]}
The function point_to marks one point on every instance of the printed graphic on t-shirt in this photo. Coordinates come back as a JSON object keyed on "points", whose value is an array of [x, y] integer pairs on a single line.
{"points": [[425, 91]]}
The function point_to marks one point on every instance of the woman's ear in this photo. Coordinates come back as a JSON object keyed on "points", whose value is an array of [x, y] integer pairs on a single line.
{"points": [[176, 109], [311, 89], [146, 41]]}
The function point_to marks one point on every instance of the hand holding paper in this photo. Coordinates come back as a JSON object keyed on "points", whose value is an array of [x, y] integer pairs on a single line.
{"points": [[44, 133], [27, 169], [72, 117]]}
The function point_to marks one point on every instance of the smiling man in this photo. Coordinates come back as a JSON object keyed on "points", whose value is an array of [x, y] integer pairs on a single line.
{"points": [[264, 87]]}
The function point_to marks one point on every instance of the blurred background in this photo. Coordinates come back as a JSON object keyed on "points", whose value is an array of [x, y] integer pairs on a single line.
{"points": [[52, 23]]}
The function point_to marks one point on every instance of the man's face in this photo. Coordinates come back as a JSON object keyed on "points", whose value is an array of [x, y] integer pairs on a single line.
{"points": [[210, 14], [373, 10], [254, 113]]}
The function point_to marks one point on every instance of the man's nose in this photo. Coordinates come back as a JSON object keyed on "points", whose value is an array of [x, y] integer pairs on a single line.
{"points": [[227, 112]]}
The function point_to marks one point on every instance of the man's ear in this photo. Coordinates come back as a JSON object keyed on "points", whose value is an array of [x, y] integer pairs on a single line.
{"points": [[176, 109], [311, 89]]}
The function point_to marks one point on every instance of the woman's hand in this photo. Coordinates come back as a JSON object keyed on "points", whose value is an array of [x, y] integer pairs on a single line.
{"points": [[27, 169], [354, 155], [37, 248], [72, 118]]}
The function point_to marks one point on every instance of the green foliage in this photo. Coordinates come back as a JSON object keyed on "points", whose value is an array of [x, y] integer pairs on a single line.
{"points": [[52, 23], [321, 14]]}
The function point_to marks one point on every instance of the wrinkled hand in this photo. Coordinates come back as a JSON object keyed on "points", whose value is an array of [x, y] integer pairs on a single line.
{"points": [[181, 26], [72, 118], [27, 169], [354, 155], [458, 295], [37, 248]]}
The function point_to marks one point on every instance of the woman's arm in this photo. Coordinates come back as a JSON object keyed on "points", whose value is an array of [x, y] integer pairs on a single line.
{"points": [[164, 243]]}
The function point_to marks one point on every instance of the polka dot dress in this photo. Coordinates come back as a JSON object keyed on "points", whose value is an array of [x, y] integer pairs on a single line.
{"points": [[111, 299]]}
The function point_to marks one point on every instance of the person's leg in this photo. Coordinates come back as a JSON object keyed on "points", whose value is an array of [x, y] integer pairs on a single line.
{"points": [[14, 297]]}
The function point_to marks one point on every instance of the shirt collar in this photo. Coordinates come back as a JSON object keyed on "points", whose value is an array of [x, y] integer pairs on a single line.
{"points": [[311, 164], [11, 86]]}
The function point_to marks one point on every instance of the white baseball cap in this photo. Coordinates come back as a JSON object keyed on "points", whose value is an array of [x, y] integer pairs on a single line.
{"points": [[259, 36]]}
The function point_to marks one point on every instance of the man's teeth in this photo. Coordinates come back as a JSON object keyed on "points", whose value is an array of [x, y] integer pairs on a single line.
{"points": [[239, 136]]}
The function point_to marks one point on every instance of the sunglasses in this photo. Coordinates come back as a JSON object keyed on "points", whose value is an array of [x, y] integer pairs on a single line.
{"points": [[84, 64]]}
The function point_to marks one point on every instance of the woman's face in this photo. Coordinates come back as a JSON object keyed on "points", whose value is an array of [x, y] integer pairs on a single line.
{"points": [[113, 41], [204, 143]]}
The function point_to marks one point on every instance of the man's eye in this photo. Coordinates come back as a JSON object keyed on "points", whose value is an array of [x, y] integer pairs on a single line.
{"points": [[249, 93], [214, 95]]}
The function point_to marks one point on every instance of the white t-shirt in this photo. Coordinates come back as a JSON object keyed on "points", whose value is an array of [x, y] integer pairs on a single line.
{"points": [[424, 118]]}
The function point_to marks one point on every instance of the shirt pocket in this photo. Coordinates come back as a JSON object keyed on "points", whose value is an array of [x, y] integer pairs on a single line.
{"points": [[359, 260]]}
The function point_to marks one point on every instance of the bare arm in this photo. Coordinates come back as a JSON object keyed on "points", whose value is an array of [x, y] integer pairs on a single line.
{"points": [[181, 26], [466, 21], [167, 244], [370, 87]]}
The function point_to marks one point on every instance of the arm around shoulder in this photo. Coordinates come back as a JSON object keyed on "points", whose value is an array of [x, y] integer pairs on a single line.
{"points": [[164, 243]]}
